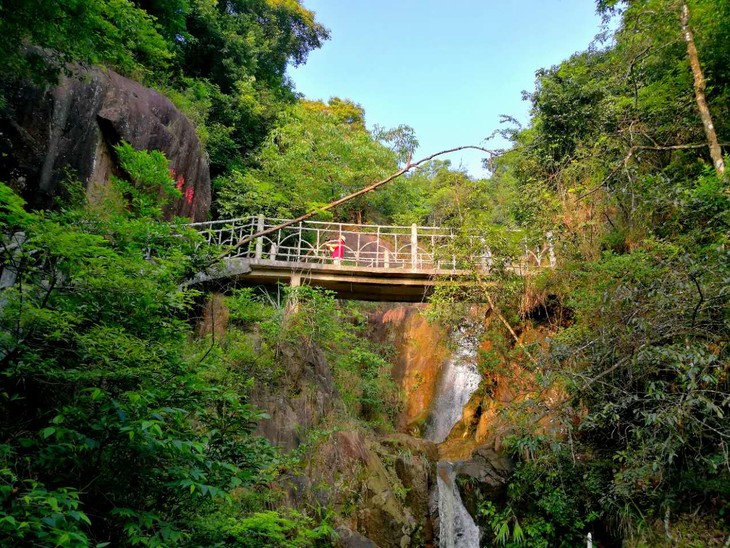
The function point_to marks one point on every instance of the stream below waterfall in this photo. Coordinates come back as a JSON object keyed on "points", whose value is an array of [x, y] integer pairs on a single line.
{"points": [[459, 380], [456, 526]]}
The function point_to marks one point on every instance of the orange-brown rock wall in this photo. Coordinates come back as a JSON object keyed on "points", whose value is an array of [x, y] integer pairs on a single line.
{"points": [[421, 348]]}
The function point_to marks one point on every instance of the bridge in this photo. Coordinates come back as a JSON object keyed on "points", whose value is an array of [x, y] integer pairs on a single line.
{"points": [[378, 263]]}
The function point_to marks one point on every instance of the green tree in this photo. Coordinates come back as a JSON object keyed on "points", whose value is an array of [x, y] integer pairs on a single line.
{"points": [[317, 153], [615, 160], [241, 49], [111, 430], [40, 37]]}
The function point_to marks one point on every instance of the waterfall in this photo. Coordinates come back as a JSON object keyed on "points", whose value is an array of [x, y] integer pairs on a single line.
{"points": [[456, 527], [459, 380]]}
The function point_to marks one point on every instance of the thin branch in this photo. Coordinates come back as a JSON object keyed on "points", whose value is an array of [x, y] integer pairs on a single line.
{"points": [[370, 188], [504, 321], [609, 176], [674, 147]]}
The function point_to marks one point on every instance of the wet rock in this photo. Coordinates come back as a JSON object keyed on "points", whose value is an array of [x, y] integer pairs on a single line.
{"points": [[490, 468], [379, 488], [384, 516], [47, 133], [421, 349], [483, 477], [415, 466]]}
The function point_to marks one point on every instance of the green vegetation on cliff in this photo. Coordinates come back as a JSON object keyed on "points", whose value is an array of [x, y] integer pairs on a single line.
{"points": [[120, 425], [616, 161], [115, 427]]}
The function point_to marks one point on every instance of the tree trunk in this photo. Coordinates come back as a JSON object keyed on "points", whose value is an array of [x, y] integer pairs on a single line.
{"points": [[699, 82]]}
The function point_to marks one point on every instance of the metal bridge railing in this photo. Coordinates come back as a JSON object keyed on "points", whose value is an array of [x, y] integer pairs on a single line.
{"points": [[368, 246]]}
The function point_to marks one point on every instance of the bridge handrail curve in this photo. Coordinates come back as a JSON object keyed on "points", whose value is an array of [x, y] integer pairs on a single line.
{"points": [[396, 246]]}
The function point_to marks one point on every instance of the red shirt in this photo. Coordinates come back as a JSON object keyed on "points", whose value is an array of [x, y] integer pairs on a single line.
{"points": [[338, 251]]}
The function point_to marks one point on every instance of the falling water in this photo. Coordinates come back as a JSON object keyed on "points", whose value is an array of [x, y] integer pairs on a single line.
{"points": [[459, 380], [456, 527]]}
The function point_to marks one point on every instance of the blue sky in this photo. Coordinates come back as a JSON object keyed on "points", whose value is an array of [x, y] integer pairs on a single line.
{"points": [[446, 68]]}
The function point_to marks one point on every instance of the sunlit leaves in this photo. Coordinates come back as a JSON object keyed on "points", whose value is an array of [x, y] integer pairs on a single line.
{"points": [[316, 154]]}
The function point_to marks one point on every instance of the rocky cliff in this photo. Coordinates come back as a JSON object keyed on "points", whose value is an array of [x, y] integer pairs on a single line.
{"points": [[50, 133], [426, 355], [421, 349], [384, 487], [379, 486]]}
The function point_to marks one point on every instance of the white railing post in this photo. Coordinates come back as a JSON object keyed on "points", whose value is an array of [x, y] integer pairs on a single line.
{"points": [[260, 239], [377, 248], [299, 243], [317, 247], [487, 261], [551, 249], [434, 262], [414, 246]]}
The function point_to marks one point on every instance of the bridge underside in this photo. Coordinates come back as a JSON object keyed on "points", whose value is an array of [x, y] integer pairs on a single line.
{"points": [[348, 282]]}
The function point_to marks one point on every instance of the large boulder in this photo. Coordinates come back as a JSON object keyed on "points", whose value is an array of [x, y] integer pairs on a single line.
{"points": [[483, 477], [47, 133], [347, 538]]}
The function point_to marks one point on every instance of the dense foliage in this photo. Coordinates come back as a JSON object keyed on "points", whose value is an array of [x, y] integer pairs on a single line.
{"points": [[315, 154], [312, 318], [119, 427], [222, 62], [116, 428], [616, 158]]}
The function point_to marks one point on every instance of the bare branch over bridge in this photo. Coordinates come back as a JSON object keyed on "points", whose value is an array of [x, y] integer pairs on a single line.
{"points": [[370, 188]]}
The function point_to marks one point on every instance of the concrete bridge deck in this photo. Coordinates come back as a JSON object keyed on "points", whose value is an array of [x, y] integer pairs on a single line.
{"points": [[347, 281]]}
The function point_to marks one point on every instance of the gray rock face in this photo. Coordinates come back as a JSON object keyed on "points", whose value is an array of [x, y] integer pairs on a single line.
{"points": [[491, 470], [303, 403], [73, 126]]}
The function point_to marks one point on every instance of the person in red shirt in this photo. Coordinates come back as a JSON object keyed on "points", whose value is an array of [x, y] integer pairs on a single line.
{"points": [[337, 249]]}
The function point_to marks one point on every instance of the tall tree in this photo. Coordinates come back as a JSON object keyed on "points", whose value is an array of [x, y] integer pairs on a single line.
{"points": [[38, 37], [700, 85]]}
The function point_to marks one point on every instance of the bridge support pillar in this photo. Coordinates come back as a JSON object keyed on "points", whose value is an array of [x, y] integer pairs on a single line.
{"points": [[292, 303]]}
